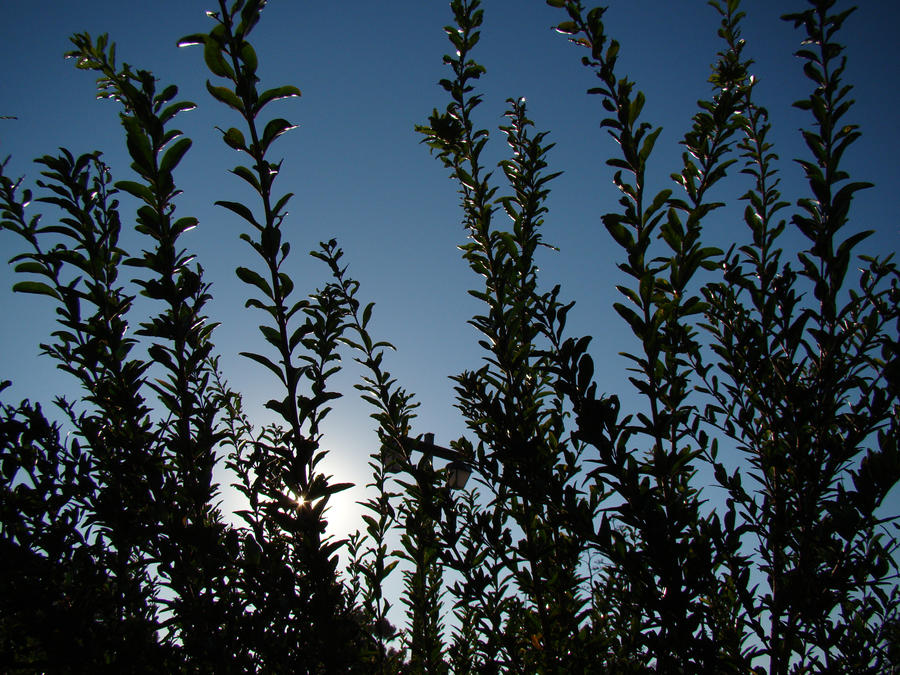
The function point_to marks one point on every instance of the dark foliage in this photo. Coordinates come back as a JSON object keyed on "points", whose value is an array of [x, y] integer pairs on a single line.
{"points": [[588, 545]]}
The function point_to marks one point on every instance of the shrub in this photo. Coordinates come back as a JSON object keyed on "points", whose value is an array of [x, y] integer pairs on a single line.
{"points": [[589, 544]]}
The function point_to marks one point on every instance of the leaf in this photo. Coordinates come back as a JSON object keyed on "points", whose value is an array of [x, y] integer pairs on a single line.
{"points": [[35, 287], [649, 142], [248, 176], [299, 333], [193, 39], [367, 314], [182, 225], [281, 407], [270, 95], [166, 94], [241, 210], [148, 217], [331, 489], [31, 268], [138, 145], [215, 61], [234, 139], [272, 335], [226, 96], [248, 276], [170, 111], [248, 56], [256, 304], [848, 244], [138, 190], [280, 205], [259, 358], [619, 232], [274, 129], [173, 155], [636, 323]]}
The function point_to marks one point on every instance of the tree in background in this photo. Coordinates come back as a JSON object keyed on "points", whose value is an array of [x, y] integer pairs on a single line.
{"points": [[588, 545]]}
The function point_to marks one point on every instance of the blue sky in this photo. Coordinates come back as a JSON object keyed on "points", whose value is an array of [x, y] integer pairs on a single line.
{"points": [[368, 72]]}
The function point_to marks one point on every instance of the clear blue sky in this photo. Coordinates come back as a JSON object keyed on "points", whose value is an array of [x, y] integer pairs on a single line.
{"points": [[368, 73]]}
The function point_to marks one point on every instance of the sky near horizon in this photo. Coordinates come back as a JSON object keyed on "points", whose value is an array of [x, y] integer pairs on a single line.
{"points": [[368, 72]]}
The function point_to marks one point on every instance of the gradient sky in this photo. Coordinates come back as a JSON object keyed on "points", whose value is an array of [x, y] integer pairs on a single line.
{"points": [[368, 72]]}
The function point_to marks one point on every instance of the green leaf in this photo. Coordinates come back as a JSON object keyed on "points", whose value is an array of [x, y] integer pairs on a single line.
{"points": [[226, 96], [248, 176], [215, 61], [35, 287], [170, 111], [234, 139], [270, 95], [248, 276], [182, 225], [138, 190], [274, 129], [249, 17], [256, 304], [636, 323], [649, 142], [241, 210], [287, 284], [31, 268], [193, 39], [259, 358], [166, 95], [248, 56], [848, 244], [281, 204], [138, 145], [367, 314], [272, 335], [299, 333], [619, 232], [147, 216], [173, 155]]}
